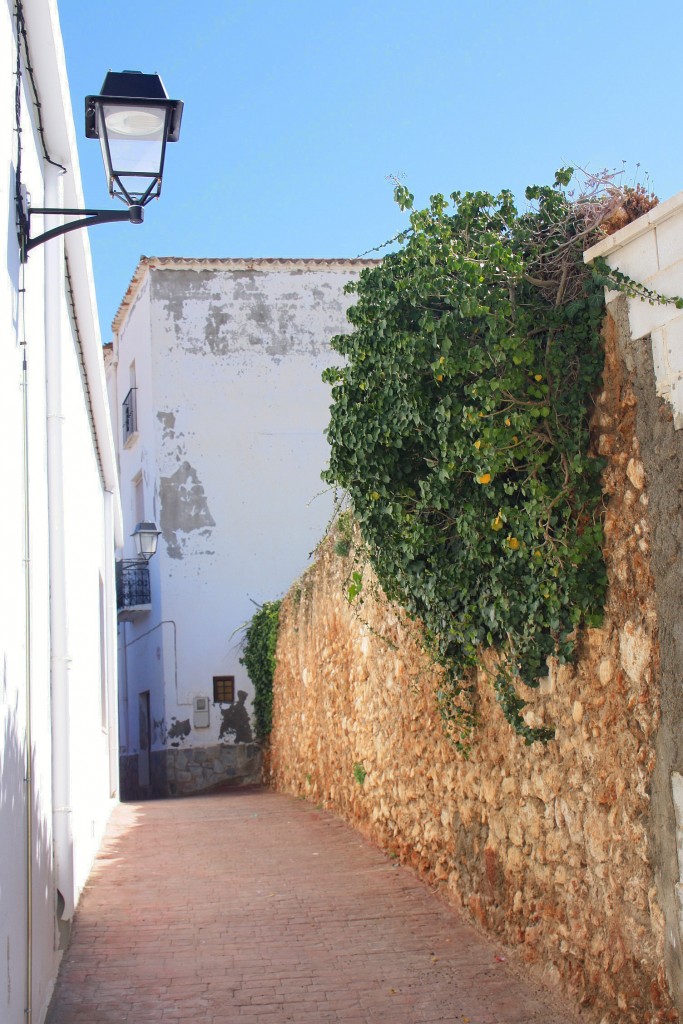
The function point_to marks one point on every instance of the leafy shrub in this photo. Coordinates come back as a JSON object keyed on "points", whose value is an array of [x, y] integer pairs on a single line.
{"points": [[459, 428], [259, 660]]}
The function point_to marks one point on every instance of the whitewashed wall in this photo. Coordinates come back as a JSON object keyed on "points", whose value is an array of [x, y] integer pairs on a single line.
{"points": [[49, 838], [650, 250], [232, 412]]}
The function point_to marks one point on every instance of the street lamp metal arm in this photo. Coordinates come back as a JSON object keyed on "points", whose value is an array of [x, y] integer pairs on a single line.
{"points": [[134, 119], [87, 218]]}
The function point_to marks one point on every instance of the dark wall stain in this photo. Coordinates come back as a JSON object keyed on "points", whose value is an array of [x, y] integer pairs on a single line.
{"points": [[184, 507], [167, 420], [159, 730], [236, 721], [179, 731], [176, 287], [229, 307]]}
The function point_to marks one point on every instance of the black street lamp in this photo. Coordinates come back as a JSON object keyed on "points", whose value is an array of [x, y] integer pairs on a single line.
{"points": [[134, 119]]}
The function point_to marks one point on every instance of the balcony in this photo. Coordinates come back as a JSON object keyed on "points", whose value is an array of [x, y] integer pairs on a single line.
{"points": [[129, 417], [133, 594]]}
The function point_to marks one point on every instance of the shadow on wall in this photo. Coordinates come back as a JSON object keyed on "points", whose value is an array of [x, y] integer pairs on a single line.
{"points": [[13, 879]]}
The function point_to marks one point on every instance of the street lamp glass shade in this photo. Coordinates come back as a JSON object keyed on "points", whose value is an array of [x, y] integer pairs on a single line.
{"points": [[145, 536], [134, 119]]}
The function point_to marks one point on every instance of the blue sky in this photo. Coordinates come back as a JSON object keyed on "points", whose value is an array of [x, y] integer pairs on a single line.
{"points": [[297, 112]]}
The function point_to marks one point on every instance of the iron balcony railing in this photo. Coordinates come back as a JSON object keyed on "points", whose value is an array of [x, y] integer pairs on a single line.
{"points": [[130, 415], [132, 584]]}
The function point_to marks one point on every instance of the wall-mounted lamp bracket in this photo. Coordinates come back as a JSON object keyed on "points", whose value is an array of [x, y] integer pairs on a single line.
{"points": [[86, 219]]}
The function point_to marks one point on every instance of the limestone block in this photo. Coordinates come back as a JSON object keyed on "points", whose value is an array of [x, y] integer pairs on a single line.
{"points": [[635, 471], [515, 860], [510, 787], [515, 832], [598, 835], [570, 817], [635, 650]]}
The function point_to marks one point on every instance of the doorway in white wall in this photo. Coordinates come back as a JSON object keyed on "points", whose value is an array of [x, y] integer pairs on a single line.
{"points": [[145, 744]]}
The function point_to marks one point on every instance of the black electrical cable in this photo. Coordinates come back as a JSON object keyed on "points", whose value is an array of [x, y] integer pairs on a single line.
{"points": [[22, 36]]}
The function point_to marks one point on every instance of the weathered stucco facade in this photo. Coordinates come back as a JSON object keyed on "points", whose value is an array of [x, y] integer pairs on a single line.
{"points": [[221, 361], [567, 851]]}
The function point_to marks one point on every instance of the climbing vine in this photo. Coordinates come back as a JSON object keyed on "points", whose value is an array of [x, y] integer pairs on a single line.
{"points": [[259, 660], [460, 430]]}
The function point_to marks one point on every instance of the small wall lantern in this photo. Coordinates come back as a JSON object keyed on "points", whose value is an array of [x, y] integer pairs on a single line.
{"points": [[146, 537]]}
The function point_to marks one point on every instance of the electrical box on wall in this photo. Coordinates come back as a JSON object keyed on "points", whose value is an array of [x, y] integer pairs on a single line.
{"points": [[201, 712]]}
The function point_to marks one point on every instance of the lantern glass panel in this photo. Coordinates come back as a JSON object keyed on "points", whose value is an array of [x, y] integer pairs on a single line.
{"points": [[136, 137], [145, 536]]}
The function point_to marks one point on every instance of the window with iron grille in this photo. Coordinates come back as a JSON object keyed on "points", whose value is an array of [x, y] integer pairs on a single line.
{"points": [[129, 417], [132, 584]]}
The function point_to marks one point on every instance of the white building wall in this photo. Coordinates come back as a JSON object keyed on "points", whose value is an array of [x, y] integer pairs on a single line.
{"points": [[232, 412], [63, 461], [650, 251]]}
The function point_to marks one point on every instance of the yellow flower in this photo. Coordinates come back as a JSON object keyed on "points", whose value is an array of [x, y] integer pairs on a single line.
{"points": [[375, 495], [497, 524], [442, 360], [439, 377], [485, 478], [477, 444], [513, 543], [507, 422], [538, 376]]}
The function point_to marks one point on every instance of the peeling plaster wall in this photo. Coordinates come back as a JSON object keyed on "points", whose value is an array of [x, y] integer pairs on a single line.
{"points": [[231, 445]]}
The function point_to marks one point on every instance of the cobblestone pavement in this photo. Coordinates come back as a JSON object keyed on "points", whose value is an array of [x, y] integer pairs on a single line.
{"points": [[256, 908]]}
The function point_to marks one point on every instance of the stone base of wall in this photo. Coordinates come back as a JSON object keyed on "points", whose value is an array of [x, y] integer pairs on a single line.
{"points": [[183, 772]]}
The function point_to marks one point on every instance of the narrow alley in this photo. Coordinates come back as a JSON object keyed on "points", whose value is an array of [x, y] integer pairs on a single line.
{"points": [[255, 908]]}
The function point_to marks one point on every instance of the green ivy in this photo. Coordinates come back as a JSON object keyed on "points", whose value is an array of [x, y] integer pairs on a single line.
{"points": [[259, 660], [459, 428]]}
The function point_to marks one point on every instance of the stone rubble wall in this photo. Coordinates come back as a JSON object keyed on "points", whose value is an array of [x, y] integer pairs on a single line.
{"points": [[548, 847], [190, 770]]}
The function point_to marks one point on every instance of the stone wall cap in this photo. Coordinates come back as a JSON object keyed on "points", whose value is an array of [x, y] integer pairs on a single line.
{"points": [[609, 245]]}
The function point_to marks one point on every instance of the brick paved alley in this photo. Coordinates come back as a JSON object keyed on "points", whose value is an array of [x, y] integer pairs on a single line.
{"points": [[255, 908]]}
